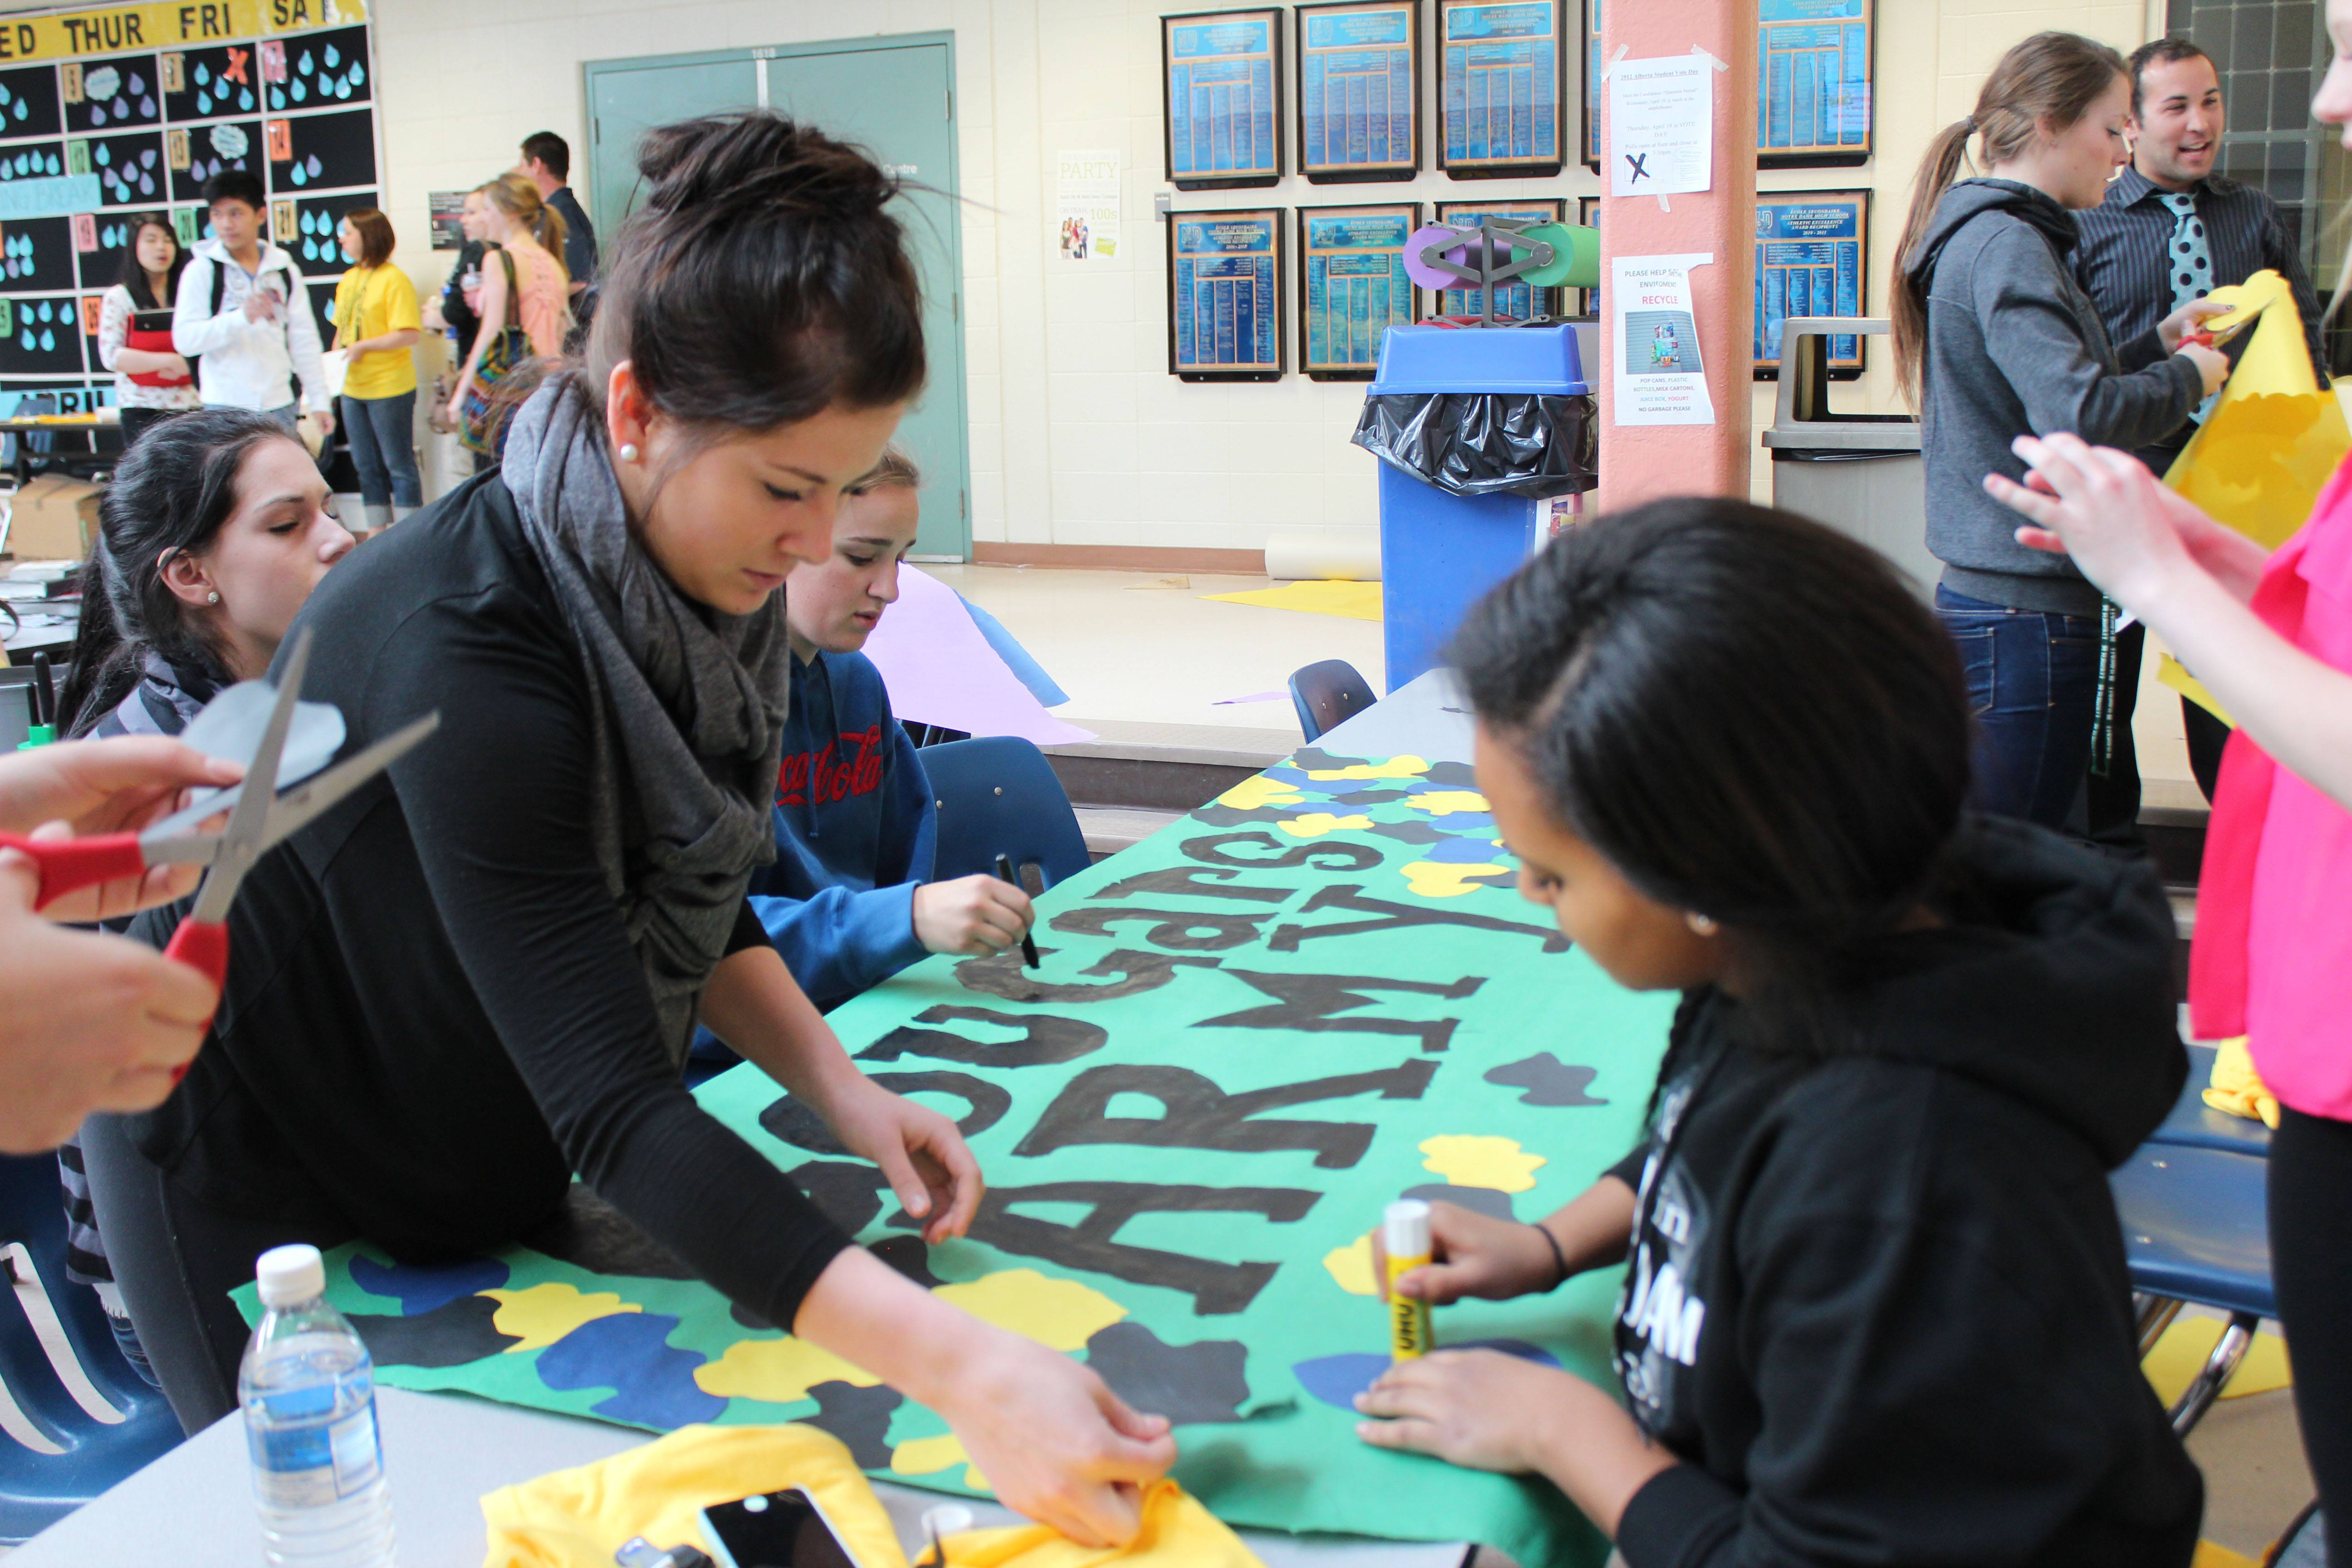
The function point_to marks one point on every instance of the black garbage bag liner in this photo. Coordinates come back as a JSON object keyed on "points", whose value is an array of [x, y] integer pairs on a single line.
{"points": [[1533, 443]]}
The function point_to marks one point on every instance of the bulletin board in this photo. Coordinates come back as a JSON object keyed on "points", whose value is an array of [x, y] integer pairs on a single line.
{"points": [[1359, 90], [1520, 301], [1500, 70], [1247, 1035], [1222, 122], [1814, 64], [1225, 278], [1352, 287], [1812, 258], [1589, 127], [129, 109]]}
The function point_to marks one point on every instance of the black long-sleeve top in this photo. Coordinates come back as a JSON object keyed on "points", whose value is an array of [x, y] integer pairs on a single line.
{"points": [[433, 1015]]}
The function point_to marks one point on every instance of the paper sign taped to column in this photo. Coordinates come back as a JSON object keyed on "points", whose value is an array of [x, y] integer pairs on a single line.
{"points": [[1659, 377], [1661, 126]]}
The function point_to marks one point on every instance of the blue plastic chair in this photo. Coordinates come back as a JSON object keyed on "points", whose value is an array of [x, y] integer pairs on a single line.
{"points": [[2196, 1125], [2195, 1230], [1326, 694], [998, 795], [74, 1418]]}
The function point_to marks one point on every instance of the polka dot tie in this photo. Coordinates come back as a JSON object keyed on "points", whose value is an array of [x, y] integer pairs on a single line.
{"points": [[2188, 262]]}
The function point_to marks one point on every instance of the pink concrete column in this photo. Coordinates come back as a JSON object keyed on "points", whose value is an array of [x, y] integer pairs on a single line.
{"points": [[1641, 462]]}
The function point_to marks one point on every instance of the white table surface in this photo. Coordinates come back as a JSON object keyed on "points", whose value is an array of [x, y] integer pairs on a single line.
{"points": [[194, 1507]]}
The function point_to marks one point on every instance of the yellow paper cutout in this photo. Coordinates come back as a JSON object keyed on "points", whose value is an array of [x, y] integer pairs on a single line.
{"points": [[1259, 790], [545, 1314], [2181, 1350], [2212, 1555], [779, 1371], [1059, 1313], [2175, 674], [1316, 824], [1405, 767], [2274, 437], [1352, 601], [1439, 880], [928, 1456], [1469, 1159], [1446, 802], [1350, 1266]]}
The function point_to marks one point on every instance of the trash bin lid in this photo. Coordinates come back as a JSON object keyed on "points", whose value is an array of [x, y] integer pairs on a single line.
{"points": [[1480, 359]]}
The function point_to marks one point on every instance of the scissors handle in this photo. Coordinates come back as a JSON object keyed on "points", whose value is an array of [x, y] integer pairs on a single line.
{"points": [[68, 865], [203, 946]]}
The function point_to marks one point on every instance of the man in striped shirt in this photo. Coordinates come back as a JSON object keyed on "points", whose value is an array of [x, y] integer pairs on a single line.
{"points": [[2170, 231]]}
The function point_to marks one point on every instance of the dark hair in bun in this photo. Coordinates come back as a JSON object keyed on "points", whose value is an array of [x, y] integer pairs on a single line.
{"points": [[762, 281]]}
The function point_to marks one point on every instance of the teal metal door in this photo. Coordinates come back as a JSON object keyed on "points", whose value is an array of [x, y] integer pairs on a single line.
{"points": [[894, 97]]}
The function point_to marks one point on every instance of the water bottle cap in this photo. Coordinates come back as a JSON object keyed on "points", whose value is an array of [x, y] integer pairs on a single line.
{"points": [[289, 1275]]}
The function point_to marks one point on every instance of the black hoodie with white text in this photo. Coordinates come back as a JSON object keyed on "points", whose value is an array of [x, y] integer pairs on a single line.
{"points": [[1877, 1301]]}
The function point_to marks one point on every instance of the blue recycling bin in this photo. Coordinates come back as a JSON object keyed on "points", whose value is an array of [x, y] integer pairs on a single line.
{"points": [[1476, 430]]}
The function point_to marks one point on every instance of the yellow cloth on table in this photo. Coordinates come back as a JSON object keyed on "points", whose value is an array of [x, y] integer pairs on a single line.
{"points": [[1178, 1532], [579, 1518], [2276, 436], [2237, 1088]]}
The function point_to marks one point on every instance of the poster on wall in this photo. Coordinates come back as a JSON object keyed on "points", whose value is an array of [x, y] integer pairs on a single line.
{"points": [[1520, 301], [1589, 120], [1224, 295], [1812, 258], [1222, 71], [1085, 201], [1659, 376], [113, 113], [1352, 288], [1499, 74], [1359, 90], [1813, 82]]}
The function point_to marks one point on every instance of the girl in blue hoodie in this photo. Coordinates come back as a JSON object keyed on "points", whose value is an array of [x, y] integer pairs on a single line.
{"points": [[849, 902]]}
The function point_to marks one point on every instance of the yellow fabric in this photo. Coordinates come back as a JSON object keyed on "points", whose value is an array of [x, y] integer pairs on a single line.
{"points": [[1356, 600], [2179, 1353], [2209, 1555], [579, 1518], [1178, 1532], [2238, 1089], [369, 302], [2275, 437], [2175, 674]]}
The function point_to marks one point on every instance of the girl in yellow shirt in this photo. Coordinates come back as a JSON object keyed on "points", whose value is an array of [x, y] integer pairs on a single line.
{"points": [[376, 323]]}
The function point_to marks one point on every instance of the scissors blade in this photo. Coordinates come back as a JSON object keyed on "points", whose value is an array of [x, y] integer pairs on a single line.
{"points": [[242, 840], [305, 801]]}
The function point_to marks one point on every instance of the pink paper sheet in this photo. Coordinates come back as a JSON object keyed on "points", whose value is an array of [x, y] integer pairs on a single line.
{"points": [[939, 669]]}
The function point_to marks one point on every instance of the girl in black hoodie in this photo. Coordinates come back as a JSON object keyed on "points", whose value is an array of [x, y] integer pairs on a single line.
{"points": [[1876, 1310]]}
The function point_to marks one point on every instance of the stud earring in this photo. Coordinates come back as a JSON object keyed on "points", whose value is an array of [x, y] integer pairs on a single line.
{"points": [[629, 451], [1702, 924], [213, 597]]}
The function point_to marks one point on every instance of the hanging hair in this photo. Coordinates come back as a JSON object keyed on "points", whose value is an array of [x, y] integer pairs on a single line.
{"points": [[376, 239], [516, 197], [170, 495], [2055, 76], [1792, 766], [763, 281], [897, 467], [134, 276]]}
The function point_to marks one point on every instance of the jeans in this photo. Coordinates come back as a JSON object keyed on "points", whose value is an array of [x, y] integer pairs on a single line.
{"points": [[380, 431], [2033, 680]]}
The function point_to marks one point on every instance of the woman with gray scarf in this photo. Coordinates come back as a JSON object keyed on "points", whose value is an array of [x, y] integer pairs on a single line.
{"points": [[480, 975]]}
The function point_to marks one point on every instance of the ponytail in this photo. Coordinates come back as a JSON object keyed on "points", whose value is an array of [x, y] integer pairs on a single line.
{"points": [[516, 197], [2052, 77]]}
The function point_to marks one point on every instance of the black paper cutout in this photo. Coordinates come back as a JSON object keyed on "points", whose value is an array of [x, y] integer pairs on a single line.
{"points": [[1188, 879], [1547, 1080], [1203, 1382], [1323, 854], [1197, 1114], [848, 1193], [1478, 1200], [1395, 916], [1171, 928], [860, 1418], [794, 1121], [1091, 1244], [1411, 831], [1004, 975], [1048, 1039], [449, 1335], [909, 1256], [1311, 1002]]}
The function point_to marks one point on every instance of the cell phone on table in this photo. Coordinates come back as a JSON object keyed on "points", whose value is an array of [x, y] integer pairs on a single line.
{"points": [[774, 1530]]}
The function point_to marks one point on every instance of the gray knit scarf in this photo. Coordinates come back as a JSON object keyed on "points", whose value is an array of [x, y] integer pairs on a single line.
{"points": [[688, 708]]}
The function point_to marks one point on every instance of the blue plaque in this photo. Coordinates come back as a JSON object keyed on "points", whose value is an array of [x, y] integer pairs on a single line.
{"points": [[1499, 83], [1223, 73], [1813, 255], [1224, 295], [1359, 91], [1352, 286], [1813, 82]]}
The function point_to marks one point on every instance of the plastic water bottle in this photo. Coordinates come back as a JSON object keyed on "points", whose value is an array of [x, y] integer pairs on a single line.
{"points": [[308, 1386]]}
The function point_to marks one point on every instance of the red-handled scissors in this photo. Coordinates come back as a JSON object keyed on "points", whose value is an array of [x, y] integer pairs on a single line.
{"points": [[259, 819]]}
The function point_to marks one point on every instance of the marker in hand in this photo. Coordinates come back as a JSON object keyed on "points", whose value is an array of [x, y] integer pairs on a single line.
{"points": [[1028, 945]]}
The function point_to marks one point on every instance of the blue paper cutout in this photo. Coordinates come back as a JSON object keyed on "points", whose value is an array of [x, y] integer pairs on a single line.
{"points": [[422, 1288], [629, 1353], [1336, 1380]]}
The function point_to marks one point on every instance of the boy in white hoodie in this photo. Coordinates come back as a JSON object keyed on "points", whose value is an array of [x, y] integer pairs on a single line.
{"points": [[244, 309]]}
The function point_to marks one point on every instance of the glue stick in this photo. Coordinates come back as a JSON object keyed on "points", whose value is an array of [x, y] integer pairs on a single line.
{"points": [[1405, 1233]]}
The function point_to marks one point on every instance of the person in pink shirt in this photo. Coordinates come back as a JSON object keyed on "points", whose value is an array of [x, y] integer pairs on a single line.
{"points": [[2270, 634]]}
